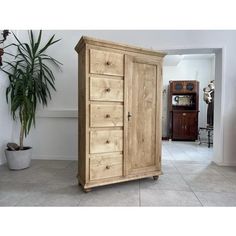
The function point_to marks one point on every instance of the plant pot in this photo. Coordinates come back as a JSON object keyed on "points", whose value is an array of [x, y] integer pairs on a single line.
{"points": [[18, 160]]}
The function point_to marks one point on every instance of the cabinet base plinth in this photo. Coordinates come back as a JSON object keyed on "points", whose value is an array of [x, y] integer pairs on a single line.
{"points": [[87, 190]]}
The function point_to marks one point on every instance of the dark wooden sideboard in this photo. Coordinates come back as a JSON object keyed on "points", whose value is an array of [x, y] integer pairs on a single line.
{"points": [[183, 107]]}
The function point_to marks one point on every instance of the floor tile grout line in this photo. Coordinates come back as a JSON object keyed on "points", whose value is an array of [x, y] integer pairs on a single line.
{"points": [[205, 191], [227, 177], [218, 173], [189, 187]]}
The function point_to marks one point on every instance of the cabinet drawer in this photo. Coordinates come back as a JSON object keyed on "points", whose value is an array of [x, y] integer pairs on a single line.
{"points": [[106, 141], [106, 63], [106, 115], [103, 89], [105, 166]]}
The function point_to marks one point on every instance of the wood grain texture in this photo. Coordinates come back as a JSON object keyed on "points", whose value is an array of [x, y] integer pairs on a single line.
{"points": [[159, 88], [143, 135], [127, 109], [183, 120], [183, 85], [85, 40], [105, 89], [106, 115], [185, 125], [105, 166], [113, 82], [81, 121], [106, 141], [120, 179], [86, 114], [106, 63]]}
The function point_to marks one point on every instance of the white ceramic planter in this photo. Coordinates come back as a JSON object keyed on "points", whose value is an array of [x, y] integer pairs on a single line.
{"points": [[18, 160]]}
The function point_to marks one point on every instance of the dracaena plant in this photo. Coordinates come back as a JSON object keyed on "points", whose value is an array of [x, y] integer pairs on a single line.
{"points": [[30, 79]]}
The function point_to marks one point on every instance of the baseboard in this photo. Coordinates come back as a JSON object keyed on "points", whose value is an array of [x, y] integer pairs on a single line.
{"points": [[49, 157], [55, 157], [225, 163], [165, 138], [2, 162]]}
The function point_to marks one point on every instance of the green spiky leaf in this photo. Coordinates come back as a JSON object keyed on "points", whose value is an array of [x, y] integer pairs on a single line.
{"points": [[30, 77]]}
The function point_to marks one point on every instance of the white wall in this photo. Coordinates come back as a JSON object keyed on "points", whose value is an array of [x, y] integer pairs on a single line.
{"points": [[66, 97], [6, 123], [5, 118], [190, 67], [55, 136]]}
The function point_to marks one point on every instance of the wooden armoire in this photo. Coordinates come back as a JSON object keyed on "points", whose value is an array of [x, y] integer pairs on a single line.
{"points": [[183, 110], [120, 93]]}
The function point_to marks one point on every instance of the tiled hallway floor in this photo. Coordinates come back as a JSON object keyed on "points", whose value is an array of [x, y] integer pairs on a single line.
{"points": [[190, 179]]}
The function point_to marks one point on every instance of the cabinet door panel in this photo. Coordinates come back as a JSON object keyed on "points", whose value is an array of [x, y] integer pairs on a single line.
{"points": [[191, 126], [178, 125], [185, 125], [144, 101]]}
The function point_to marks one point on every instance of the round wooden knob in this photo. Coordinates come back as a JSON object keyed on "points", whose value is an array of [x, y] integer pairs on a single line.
{"points": [[108, 63], [107, 167], [108, 90], [107, 141], [108, 116]]}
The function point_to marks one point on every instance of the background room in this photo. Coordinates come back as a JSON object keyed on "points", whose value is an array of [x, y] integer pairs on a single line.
{"points": [[187, 67]]}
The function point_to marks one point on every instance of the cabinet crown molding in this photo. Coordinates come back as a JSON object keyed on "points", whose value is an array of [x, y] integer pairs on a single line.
{"points": [[120, 46]]}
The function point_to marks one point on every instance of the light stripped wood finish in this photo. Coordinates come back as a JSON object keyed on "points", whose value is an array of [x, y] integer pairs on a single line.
{"points": [[127, 49], [106, 115], [142, 126], [117, 80], [102, 141], [105, 89], [105, 166], [106, 63], [124, 178], [82, 119]]}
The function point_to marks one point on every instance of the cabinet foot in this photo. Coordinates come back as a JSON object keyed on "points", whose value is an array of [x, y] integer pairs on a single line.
{"points": [[156, 177], [87, 190]]}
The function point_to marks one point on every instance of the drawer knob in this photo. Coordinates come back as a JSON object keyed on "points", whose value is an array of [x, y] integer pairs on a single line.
{"points": [[107, 141], [129, 115], [108, 90], [184, 114], [108, 167], [108, 116], [108, 63]]}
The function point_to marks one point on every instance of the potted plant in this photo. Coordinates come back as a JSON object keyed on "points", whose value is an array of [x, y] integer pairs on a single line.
{"points": [[30, 80]]}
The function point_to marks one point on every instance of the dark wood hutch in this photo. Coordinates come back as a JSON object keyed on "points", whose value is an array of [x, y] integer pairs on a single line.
{"points": [[183, 107]]}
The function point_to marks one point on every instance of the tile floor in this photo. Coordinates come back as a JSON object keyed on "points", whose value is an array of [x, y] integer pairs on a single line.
{"points": [[190, 179]]}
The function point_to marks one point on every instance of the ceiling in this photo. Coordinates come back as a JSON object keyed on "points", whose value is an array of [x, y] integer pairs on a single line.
{"points": [[174, 60]]}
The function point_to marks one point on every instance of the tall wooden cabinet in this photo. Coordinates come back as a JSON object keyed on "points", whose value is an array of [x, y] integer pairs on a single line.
{"points": [[119, 112], [183, 109]]}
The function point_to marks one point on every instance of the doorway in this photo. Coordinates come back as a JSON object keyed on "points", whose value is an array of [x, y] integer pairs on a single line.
{"points": [[184, 64]]}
